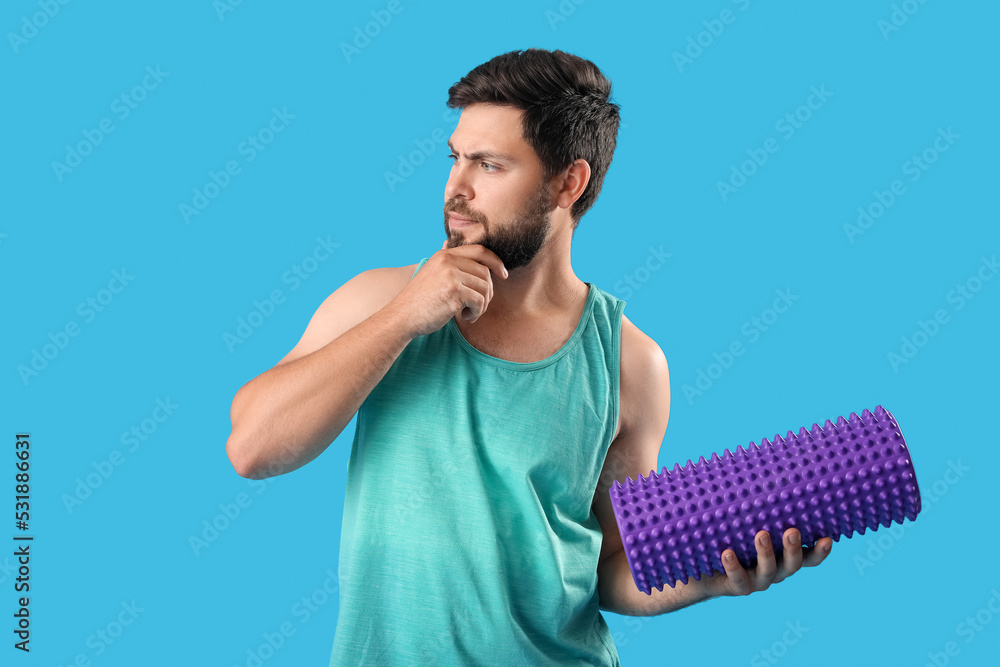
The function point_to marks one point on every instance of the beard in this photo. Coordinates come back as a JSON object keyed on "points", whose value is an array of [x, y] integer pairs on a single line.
{"points": [[518, 239]]}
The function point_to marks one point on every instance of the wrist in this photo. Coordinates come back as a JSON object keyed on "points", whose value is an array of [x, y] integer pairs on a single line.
{"points": [[400, 320]]}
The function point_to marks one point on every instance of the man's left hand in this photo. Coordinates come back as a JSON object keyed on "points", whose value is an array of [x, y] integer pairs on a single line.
{"points": [[770, 569]]}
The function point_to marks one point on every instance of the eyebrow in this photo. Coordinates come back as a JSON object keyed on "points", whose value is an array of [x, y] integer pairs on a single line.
{"points": [[479, 155]]}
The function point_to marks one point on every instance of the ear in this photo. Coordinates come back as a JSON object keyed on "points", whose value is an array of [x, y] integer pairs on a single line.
{"points": [[572, 182]]}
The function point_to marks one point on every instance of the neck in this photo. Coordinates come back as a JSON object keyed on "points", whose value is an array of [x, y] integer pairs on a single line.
{"points": [[543, 288]]}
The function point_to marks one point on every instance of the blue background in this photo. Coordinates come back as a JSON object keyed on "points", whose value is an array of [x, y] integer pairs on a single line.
{"points": [[878, 599]]}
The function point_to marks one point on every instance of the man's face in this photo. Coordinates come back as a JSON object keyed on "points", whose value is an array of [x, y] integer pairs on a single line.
{"points": [[496, 182]]}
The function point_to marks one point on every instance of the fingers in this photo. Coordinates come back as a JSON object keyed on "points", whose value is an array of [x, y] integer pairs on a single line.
{"points": [[818, 553], [490, 259], [739, 580], [472, 281], [791, 553], [481, 254], [476, 300], [767, 562]]}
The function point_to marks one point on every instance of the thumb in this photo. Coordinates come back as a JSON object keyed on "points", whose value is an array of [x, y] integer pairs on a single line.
{"points": [[444, 246]]}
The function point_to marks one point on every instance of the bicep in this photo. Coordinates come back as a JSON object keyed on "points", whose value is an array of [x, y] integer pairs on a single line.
{"points": [[646, 387]]}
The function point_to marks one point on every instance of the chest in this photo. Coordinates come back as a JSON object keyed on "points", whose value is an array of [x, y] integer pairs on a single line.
{"points": [[514, 345], [519, 344]]}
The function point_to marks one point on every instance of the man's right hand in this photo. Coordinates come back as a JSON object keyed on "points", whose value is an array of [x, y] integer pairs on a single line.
{"points": [[454, 280]]}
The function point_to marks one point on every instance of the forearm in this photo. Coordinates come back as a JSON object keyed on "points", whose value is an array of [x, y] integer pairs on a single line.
{"points": [[287, 416], [618, 592]]}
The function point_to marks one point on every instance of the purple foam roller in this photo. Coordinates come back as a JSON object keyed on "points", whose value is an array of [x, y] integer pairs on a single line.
{"points": [[827, 482]]}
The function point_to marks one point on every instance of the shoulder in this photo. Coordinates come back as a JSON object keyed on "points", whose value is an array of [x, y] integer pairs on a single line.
{"points": [[384, 283], [639, 351], [368, 292], [645, 376], [353, 302], [399, 275]]}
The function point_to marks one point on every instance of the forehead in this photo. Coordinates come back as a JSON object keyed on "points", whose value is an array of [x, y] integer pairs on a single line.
{"points": [[490, 126]]}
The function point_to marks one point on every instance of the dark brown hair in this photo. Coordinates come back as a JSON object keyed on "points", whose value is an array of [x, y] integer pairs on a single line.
{"points": [[568, 113]]}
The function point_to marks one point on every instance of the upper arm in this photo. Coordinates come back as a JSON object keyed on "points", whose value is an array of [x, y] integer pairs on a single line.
{"points": [[644, 408], [350, 304]]}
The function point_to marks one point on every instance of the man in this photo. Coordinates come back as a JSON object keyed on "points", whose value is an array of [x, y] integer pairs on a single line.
{"points": [[498, 396]]}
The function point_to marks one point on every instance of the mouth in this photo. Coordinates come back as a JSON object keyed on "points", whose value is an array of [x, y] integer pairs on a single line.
{"points": [[459, 221]]}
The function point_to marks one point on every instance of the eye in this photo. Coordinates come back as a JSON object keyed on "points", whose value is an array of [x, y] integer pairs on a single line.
{"points": [[488, 167]]}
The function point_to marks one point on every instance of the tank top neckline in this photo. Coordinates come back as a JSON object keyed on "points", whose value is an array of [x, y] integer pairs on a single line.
{"points": [[531, 365]]}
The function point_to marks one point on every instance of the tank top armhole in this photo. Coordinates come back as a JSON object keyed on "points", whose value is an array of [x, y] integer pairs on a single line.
{"points": [[422, 262], [616, 353]]}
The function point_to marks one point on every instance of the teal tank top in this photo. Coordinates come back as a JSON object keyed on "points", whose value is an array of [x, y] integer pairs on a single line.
{"points": [[468, 536]]}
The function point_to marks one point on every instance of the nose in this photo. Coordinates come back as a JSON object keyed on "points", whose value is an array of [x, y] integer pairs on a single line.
{"points": [[458, 184]]}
